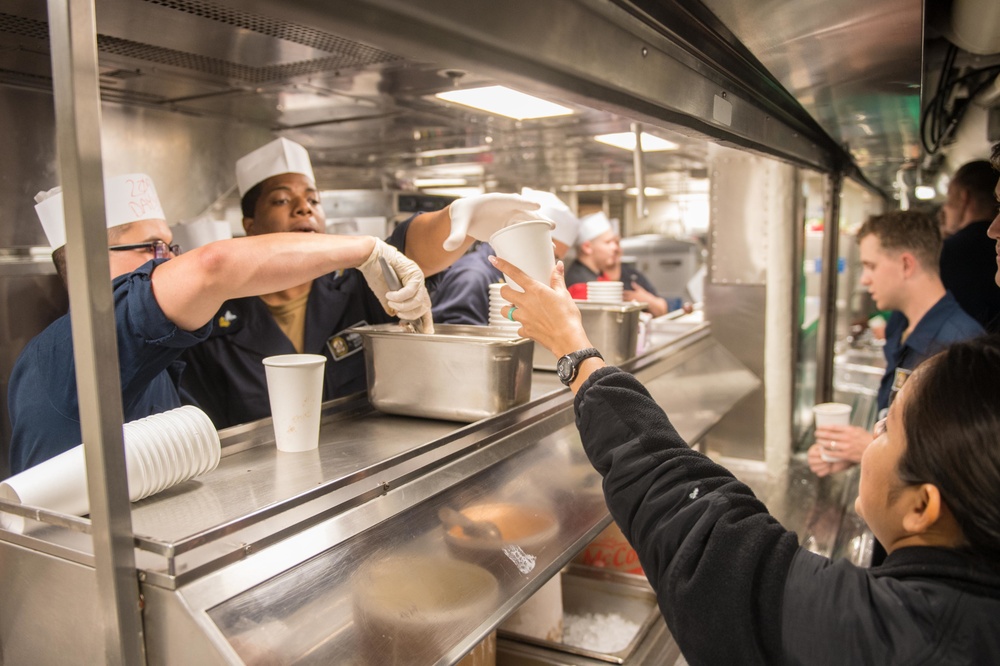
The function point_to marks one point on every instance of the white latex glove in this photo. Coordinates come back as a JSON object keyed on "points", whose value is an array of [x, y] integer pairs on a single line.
{"points": [[411, 302], [483, 215]]}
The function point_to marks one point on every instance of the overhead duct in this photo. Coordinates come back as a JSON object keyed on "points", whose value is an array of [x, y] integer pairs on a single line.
{"points": [[975, 26]]}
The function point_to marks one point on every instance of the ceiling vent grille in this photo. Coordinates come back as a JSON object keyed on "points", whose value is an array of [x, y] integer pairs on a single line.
{"points": [[350, 53], [344, 54]]}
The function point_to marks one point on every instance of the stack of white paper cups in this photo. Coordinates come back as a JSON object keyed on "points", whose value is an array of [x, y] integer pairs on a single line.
{"points": [[497, 302], [604, 292], [161, 451]]}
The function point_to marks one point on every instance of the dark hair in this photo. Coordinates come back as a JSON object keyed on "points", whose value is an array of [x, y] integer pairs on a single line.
{"points": [[909, 230], [995, 157], [59, 254], [979, 179], [952, 425], [249, 201]]}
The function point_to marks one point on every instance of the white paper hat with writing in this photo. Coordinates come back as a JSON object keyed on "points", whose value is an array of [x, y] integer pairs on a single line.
{"points": [[593, 226], [278, 157], [554, 209], [127, 198]]}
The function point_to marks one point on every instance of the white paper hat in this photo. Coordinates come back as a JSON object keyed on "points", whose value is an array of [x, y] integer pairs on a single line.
{"points": [[128, 198], [552, 207], [593, 226], [278, 157]]}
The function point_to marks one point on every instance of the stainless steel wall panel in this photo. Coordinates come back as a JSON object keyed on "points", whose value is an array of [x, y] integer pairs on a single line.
{"points": [[48, 608]]}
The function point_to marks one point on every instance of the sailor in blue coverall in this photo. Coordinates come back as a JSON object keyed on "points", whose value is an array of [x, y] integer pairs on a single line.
{"points": [[164, 305], [225, 375]]}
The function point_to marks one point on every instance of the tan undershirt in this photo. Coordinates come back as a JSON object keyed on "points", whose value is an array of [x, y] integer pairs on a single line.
{"points": [[291, 319]]}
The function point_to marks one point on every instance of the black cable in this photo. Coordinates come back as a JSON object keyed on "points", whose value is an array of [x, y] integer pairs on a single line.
{"points": [[936, 125]]}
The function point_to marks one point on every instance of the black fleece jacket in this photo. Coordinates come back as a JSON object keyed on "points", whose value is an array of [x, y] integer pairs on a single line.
{"points": [[733, 584]]}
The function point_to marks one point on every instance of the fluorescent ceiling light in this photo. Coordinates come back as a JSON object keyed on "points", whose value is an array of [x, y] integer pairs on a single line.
{"points": [[445, 152], [924, 192], [439, 182], [648, 191], [505, 102], [595, 187], [626, 140], [454, 191]]}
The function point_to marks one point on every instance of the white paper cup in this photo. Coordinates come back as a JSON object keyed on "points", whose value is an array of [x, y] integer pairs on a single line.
{"points": [[58, 484], [527, 245], [831, 413], [295, 390]]}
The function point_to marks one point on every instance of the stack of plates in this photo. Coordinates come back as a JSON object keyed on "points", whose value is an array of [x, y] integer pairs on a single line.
{"points": [[497, 302], [604, 292]]}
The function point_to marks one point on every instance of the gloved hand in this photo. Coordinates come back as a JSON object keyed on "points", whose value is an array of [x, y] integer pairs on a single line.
{"points": [[483, 215], [411, 302]]}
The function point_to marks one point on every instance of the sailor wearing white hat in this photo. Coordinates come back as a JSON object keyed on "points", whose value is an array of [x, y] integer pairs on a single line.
{"points": [[599, 257], [279, 194], [164, 303]]}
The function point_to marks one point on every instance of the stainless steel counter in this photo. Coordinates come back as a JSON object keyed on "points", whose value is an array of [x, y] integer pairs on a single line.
{"points": [[260, 556]]}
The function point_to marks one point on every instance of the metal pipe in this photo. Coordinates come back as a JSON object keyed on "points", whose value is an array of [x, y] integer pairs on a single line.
{"points": [[826, 334], [73, 44], [640, 176]]}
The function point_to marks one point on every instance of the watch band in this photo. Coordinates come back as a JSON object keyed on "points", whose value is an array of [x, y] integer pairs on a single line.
{"points": [[568, 366]]}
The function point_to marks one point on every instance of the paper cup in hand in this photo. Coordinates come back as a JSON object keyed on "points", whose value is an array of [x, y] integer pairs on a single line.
{"points": [[527, 245], [295, 390], [831, 413]]}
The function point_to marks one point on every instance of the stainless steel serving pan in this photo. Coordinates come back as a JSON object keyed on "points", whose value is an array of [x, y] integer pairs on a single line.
{"points": [[612, 328], [458, 373]]}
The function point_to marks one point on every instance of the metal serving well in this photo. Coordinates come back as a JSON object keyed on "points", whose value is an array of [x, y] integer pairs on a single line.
{"points": [[585, 591], [458, 373], [612, 328]]}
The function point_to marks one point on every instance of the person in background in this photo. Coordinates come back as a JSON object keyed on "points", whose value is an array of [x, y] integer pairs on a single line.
{"points": [[461, 294], [968, 257], [994, 229], [900, 253], [163, 304], [599, 257], [733, 584], [225, 374]]}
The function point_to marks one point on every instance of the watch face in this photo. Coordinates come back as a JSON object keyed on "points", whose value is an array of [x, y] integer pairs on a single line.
{"points": [[564, 368]]}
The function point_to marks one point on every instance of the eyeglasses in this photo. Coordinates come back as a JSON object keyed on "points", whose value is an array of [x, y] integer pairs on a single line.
{"points": [[160, 249]]}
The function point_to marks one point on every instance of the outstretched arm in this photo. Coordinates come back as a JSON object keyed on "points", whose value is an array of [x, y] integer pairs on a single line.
{"points": [[191, 288]]}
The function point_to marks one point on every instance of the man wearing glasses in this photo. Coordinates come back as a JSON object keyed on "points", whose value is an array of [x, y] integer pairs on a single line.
{"points": [[164, 304]]}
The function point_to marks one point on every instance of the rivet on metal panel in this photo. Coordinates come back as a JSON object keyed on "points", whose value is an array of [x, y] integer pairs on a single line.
{"points": [[385, 487], [645, 52], [247, 549], [142, 575], [723, 94]]}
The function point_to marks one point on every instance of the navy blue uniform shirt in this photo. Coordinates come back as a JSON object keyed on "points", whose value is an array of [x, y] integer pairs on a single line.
{"points": [[462, 295], [44, 411], [968, 267], [944, 324], [225, 374]]}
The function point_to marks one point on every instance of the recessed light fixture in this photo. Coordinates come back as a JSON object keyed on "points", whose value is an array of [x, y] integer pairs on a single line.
{"points": [[648, 191], [594, 187], [454, 191], [504, 101], [924, 192], [626, 140], [439, 182]]}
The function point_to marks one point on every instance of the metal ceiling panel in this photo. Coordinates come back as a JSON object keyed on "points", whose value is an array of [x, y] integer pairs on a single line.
{"points": [[854, 65]]}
